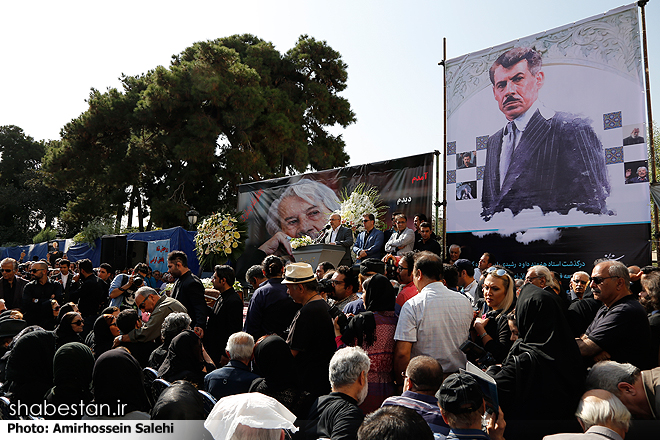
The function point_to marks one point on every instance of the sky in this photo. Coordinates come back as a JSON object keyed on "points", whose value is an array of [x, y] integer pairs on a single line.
{"points": [[55, 52]]}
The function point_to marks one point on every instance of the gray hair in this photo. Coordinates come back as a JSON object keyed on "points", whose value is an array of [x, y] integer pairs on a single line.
{"points": [[145, 291], [244, 432], [606, 375], [10, 260], [239, 346], [346, 366], [617, 269], [580, 273], [310, 191], [542, 271], [642, 168], [174, 324], [597, 411]]}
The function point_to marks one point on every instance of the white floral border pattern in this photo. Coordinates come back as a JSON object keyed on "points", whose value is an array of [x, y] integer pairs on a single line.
{"points": [[609, 42]]}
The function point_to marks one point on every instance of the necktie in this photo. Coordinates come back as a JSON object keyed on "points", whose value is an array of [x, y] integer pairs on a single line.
{"points": [[507, 150]]}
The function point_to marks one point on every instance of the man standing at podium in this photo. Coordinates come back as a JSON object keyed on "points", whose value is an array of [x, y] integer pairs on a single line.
{"points": [[342, 236]]}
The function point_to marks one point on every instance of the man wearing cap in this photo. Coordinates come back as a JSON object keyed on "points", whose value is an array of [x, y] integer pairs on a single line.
{"points": [[466, 279], [462, 406], [311, 335]]}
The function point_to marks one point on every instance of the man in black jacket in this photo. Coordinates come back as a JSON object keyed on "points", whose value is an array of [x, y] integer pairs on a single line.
{"points": [[37, 295], [337, 415], [188, 290], [226, 317], [90, 296]]}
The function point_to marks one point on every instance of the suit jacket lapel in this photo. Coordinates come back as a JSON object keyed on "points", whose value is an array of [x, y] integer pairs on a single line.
{"points": [[531, 141]]}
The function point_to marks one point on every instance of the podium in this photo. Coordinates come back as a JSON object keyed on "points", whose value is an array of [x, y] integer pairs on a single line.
{"points": [[316, 253]]}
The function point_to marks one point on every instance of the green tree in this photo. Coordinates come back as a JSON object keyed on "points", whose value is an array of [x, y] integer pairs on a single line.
{"points": [[26, 204], [225, 112]]}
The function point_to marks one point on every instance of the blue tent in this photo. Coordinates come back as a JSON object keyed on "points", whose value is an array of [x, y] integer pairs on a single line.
{"points": [[180, 239]]}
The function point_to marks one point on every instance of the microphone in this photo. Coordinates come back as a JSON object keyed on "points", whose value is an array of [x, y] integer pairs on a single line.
{"points": [[324, 232]]}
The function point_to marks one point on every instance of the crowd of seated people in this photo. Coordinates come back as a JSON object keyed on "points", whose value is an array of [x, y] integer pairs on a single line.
{"points": [[397, 349]]}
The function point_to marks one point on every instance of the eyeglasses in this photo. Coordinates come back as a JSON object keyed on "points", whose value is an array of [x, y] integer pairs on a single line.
{"points": [[142, 305], [35, 270], [402, 222], [401, 269], [7, 270], [55, 309], [337, 282], [77, 322], [599, 280], [495, 271], [365, 221]]}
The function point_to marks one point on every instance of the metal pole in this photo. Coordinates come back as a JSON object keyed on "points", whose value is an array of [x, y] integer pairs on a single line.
{"points": [[443, 63], [642, 4]]}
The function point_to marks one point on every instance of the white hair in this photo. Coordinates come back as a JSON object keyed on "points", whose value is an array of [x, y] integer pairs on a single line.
{"points": [[310, 191], [580, 273], [240, 346], [596, 411], [346, 366], [542, 271]]}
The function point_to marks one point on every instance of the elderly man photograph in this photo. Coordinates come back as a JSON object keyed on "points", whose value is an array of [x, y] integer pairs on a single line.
{"points": [[620, 331], [302, 209], [553, 160]]}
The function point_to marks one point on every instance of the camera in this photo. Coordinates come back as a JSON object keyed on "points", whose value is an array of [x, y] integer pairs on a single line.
{"points": [[325, 286], [343, 319], [477, 355], [390, 269], [137, 282]]}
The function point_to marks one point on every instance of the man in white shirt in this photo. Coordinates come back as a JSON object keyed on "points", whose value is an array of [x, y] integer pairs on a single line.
{"points": [[435, 322]]}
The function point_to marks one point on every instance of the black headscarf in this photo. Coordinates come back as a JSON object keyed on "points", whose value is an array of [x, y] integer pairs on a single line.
{"points": [[379, 296], [29, 371], [184, 359], [118, 376], [72, 375], [103, 338], [181, 401], [66, 308], [542, 377], [274, 362], [64, 332]]}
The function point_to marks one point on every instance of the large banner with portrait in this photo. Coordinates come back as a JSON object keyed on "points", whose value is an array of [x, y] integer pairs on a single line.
{"points": [[301, 205], [546, 157]]}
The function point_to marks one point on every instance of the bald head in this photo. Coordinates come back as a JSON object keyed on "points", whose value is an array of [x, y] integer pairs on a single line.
{"points": [[424, 375]]}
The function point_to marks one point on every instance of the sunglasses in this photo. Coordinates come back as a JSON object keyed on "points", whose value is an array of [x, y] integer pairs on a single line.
{"points": [[365, 221], [337, 282], [56, 308], [35, 270], [599, 280], [7, 270], [401, 269], [77, 322], [495, 271]]}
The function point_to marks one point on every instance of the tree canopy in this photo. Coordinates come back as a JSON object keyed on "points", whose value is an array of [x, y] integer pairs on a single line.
{"points": [[225, 112], [26, 204]]}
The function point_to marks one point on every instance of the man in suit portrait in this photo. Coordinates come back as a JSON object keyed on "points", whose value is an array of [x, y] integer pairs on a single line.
{"points": [[552, 160], [370, 242], [342, 236]]}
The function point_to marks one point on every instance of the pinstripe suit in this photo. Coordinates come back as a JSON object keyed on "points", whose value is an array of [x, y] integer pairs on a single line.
{"points": [[559, 164]]}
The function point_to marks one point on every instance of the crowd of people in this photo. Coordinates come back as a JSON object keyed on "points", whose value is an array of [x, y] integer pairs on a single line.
{"points": [[372, 349]]}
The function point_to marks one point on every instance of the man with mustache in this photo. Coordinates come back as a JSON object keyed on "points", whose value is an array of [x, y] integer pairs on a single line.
{"points": [[552, 160]]}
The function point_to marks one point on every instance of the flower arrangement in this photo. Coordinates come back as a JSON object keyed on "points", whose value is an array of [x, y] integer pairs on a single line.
{"points": [[220, 237], [355, 205], [301, 242]]}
